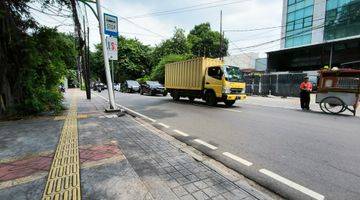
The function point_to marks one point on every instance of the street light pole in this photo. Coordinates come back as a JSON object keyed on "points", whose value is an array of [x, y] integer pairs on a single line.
{"points": [[106, 59]]}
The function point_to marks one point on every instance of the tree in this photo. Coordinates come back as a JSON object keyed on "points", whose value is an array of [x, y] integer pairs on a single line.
{"points": [[158, 72], [32, 65], [206, 43], [97, 67], [134, 59], [176, 45]]}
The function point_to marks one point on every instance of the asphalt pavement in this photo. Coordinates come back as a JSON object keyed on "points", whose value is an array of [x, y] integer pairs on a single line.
{"points": [[300, 155]]}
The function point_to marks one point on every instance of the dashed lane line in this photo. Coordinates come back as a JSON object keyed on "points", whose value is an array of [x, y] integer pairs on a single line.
{"points": [[205, 144], [292, 184], [238, 159], [164, 125], [181, 133]]}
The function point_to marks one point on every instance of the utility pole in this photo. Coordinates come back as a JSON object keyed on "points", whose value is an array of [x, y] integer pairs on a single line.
{"points": [[221, 36], [85, 63], [106, 59]]}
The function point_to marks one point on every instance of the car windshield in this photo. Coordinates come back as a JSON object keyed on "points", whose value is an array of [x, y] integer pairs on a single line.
{"points": [[233, 74], [153, 83], [133, 83]]}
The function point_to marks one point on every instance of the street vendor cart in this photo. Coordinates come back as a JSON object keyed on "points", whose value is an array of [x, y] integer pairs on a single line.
{"points": [[338, 90]]}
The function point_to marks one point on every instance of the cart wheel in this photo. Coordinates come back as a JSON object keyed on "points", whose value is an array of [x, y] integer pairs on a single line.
{"points": [[333, 105]]}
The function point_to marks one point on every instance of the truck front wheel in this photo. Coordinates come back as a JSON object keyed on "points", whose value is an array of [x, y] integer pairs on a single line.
{"points": [[229, 103], [210, 99]]}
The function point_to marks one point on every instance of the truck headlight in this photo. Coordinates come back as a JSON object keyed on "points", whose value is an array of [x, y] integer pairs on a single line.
{"points": [[226, 90]]}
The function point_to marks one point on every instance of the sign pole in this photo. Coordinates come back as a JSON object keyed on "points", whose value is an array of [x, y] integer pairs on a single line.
{"points": [[113, 77], [106, 59]]}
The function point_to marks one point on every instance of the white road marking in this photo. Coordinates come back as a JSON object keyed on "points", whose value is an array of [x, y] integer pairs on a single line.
{"points": [[181, 133], [296, 186], [232, 110], [206, 144], [123, 107], [164, 125], [238, 159]]}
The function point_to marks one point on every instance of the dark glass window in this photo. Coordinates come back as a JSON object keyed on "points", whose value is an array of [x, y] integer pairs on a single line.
{"points": [[299, 22], [342, 19], [215, 72]]}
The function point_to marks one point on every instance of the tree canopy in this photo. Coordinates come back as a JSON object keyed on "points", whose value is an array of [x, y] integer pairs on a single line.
{"points": [[206, 43], [177, 44]]}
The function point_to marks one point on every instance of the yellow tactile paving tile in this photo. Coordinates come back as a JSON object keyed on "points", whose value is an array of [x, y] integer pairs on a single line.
{"points": [[64, 178], [80, 116]]}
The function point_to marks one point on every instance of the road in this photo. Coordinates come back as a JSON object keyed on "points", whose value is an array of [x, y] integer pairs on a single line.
{"points": [[298, 154]]}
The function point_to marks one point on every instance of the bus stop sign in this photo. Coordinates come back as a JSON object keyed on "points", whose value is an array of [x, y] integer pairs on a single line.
{"points": [[111, 25]]}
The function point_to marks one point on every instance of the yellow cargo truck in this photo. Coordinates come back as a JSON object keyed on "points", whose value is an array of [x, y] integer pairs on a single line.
{"points": [[205, 78]]}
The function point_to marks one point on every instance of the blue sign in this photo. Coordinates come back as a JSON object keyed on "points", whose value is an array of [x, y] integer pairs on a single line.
{"points": [[111, 25]]}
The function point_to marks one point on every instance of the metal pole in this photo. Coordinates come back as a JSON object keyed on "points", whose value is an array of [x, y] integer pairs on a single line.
{"points": [[112, 72], [88, 60], [331, 56], [113, 77], [106, 60], [221, 36]]}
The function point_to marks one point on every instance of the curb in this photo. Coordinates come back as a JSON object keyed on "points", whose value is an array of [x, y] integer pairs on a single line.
{"points": [[238, 179]]}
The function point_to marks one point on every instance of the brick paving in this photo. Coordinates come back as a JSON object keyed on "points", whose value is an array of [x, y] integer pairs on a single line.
{"points": [[120, 159]]}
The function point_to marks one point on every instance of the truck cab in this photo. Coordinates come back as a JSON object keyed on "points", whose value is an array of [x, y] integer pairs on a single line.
{"points": [[223, 83]]}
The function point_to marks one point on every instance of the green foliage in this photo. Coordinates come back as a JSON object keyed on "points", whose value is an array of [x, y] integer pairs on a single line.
{"points": [[134, 60], [158, 72], [97, 64], [176, 45], [47, 62], [143, 79], [206, 43]]}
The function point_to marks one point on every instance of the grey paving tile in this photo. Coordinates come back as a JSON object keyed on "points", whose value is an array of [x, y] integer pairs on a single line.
{"points": [[179, 191], [191, 188], [201, 184], [199, 195], [211, 192]]}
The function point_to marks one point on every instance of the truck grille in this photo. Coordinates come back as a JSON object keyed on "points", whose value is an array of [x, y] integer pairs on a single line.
{"points": [[236, 90]]}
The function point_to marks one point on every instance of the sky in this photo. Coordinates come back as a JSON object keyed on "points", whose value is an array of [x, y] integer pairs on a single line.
{"points": [[152, 29]]}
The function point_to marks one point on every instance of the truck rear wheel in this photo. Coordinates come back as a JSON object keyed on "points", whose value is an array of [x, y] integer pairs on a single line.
{"points": [[210, 99], [229, 103]]}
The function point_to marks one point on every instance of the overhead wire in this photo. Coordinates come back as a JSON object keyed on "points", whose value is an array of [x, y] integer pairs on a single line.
{"points": [[186, 9]]}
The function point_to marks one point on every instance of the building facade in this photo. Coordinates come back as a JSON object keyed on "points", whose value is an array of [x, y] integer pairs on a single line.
{"points": [[243, 61], [306, 22]]}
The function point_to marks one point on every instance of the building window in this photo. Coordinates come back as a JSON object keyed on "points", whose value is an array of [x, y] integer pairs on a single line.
{"points": [[342, 19], [299, 22]]}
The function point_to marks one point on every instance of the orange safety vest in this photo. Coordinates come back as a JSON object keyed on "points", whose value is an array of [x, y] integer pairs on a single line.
{"points": [[306, 86]]}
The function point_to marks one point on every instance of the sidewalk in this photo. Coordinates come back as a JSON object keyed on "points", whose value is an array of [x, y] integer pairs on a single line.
{"points": [[118, 158]]}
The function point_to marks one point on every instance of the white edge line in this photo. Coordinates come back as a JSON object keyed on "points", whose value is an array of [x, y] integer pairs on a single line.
{"points": [[146, 117], [181, 133], [238, 159], [206, 144], [238, 111], [164, 125], [296, 186]]}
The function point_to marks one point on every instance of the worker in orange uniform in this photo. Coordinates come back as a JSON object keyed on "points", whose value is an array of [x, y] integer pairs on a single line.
{"points": [[305, 90]]}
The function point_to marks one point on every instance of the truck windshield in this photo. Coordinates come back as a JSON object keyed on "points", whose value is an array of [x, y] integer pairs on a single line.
{"points": [[233, 74]]}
